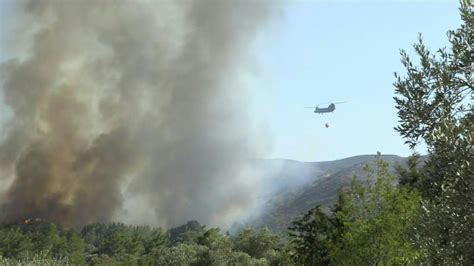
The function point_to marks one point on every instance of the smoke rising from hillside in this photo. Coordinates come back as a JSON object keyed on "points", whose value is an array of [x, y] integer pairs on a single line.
{"points": [[123, 109]]}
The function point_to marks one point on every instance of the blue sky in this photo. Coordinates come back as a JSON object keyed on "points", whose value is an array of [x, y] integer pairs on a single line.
{"points": [[323, 51]]}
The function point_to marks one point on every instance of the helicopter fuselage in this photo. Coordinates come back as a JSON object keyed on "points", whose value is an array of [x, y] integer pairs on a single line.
{"points": [[328, 109]]}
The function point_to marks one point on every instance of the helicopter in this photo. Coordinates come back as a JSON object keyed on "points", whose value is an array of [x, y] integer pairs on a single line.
{"points": [[329, 109]]}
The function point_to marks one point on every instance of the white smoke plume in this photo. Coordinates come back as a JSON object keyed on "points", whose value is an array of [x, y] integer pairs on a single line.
{"points": [[131, 110]]}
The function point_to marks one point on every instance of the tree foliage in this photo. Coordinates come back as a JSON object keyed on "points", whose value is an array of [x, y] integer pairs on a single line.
{"points": [[376, 222], [434, 102], [370, 225], [119, 244], [260, 244], [311, 237], [411, 174]]}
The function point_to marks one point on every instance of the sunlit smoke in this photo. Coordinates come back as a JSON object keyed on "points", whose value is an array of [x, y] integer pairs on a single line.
{"points": [[131, 110]]}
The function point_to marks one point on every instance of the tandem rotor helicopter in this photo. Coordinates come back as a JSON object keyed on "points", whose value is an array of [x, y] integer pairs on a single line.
{"points": [[322, 110]]}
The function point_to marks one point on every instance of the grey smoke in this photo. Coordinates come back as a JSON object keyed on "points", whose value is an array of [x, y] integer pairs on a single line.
{"points": [[131, 110]]}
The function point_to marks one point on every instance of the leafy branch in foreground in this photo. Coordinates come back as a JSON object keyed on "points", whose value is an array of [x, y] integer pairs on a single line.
{"points": [[435, 104]]}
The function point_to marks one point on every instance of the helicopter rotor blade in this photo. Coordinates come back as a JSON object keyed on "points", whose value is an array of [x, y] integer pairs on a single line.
{"points": [[339, 102]]}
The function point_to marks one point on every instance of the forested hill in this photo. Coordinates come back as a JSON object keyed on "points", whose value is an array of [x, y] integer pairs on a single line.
{"points": [[302, 185]]}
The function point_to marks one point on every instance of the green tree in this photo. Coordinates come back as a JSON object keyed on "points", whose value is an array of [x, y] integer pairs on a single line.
{"points": [[182, 254], [187, 233], [75, 248], [153, 238], [218, 247], [411, 174], [376, 220], [45, 238], [116, 244], [241, 258], [14, 243], [258, 244], [310, 237], [434, 102]]}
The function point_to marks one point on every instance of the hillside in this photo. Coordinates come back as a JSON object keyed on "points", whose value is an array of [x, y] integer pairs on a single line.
{"points": [[302, 185]]}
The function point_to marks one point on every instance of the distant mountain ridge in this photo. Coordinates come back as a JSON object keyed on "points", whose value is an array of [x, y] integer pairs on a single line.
{"points": [[302, 185]]}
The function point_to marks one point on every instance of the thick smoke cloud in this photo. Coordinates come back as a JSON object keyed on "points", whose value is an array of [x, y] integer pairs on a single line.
{"points": [[130, 110]]}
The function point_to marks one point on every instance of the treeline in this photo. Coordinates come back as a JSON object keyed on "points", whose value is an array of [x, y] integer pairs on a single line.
{"points": [[378, 222], [372, 223], [116, 243]]}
